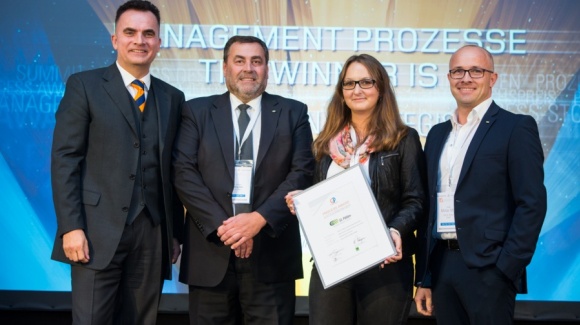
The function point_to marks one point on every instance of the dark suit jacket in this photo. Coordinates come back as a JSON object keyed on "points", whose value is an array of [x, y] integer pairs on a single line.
{"points": [[204, 179], [500, 200], [94, 153]]}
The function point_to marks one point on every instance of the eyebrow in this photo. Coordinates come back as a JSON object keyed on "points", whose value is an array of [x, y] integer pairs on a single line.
{"points": [[130, 29], [237, 56], [471, 67]]}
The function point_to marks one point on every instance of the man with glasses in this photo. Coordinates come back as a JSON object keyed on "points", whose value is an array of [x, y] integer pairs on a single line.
{"points": [[487, 202]]}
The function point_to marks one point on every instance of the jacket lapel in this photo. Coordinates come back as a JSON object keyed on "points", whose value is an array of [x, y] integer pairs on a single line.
{"points": [[486, 121], [270, 114], [163, 104], [118, 93], [221, 114], [437, 150]]}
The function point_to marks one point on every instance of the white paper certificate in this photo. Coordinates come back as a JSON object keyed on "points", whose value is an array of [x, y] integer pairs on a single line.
{"points": [[343, 226]]}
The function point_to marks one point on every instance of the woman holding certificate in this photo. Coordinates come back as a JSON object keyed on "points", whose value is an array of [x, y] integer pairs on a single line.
{"points": [[363, 126]]}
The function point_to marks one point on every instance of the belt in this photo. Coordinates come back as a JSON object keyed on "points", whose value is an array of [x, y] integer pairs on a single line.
{"points": [[450, 244]]}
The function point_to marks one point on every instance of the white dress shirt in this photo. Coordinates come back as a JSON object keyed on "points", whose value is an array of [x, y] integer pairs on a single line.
{"points": [[129, 78], [454, 151], [255, 125]]}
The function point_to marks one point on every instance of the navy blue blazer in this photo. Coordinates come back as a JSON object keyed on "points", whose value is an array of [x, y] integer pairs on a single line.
{"points": [[500, 200]]}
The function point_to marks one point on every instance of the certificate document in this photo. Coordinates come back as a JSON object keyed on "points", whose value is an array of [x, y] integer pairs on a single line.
{"points": [[343, 226]]}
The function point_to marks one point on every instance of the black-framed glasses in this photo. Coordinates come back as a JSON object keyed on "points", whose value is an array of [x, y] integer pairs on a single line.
{"points": [[474, 73], [363, 83]]}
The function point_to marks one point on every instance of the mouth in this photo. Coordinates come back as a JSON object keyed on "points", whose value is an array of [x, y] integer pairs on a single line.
{"points": [[247, 78], [466, 88], [138, 51]]}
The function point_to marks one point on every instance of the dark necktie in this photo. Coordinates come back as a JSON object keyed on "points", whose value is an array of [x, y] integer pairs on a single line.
{"points": [[247, 152], [140, 95], [247, 149]]}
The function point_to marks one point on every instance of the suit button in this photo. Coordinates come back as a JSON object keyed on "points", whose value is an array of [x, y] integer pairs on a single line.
{"points": [[132, 177], [229, 194], [125, 209], [136, 145]]}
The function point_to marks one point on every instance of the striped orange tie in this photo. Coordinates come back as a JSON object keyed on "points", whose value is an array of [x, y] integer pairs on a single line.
{"points": [[140, 95]]}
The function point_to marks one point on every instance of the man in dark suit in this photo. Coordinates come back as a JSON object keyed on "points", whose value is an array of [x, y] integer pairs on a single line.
{"points": [[487, 202], [118, 219], [242, 251]]}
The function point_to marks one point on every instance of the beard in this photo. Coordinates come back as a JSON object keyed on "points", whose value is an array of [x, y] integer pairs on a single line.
{"points": [[244, 90]]}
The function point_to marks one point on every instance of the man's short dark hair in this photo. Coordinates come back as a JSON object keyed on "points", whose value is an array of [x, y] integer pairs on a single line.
{"points": [[140, 5], [245, 39]]}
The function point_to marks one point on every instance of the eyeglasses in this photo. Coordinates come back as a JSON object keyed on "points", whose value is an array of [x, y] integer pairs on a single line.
{"points": [[474, 73], [363, 83]]}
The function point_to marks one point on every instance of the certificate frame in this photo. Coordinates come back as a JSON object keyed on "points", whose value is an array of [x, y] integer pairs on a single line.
{"points": [[343, 226]]}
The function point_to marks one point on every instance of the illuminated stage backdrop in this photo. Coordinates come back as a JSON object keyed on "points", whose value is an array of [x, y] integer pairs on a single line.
{"points": [[536, 46]]}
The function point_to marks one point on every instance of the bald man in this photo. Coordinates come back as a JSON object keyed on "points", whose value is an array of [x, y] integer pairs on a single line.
{"points": [[487, 202]]}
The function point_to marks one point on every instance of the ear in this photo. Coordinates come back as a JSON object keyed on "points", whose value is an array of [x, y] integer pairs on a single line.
{"points": [[493, 79], [159, 45], [114, 41]]}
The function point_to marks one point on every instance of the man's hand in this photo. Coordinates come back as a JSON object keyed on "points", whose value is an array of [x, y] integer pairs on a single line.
{"points": [[176, 251], [245, 249], [423, 301], [76, 246], [240, 228]]}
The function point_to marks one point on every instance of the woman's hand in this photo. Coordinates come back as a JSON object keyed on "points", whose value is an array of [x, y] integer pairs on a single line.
{"points": [[290, 200], [396, 236]]}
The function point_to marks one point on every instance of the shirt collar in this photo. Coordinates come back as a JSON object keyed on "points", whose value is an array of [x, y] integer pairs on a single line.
{"points": [[128, 78], [255, 103], [475, 115]]}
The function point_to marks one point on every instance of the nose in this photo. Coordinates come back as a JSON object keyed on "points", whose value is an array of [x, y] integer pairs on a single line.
{"points": [[139, 38], [248, 66]]}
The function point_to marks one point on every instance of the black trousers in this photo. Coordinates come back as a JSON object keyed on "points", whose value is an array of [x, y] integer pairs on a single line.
{"points": [[470, 296], [376, 296], [127, 291], [242, 299]]}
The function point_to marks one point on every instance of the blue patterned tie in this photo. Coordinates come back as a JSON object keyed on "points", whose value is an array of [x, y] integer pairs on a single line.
{"points": [[140, 96]]}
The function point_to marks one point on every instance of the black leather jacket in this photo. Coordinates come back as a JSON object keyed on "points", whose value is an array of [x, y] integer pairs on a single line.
{"points": [[397, 181]]}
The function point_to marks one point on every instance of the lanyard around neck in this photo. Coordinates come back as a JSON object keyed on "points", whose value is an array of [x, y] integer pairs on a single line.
{"points": [[249, 130]]}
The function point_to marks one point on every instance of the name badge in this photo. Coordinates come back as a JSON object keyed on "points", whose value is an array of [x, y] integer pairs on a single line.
{"points": [[242, 192], [445, 212]]}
